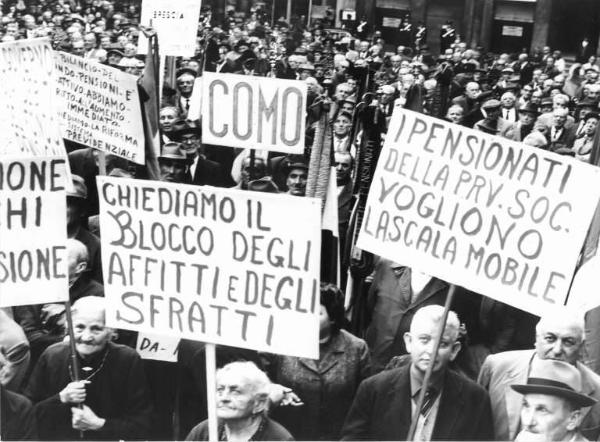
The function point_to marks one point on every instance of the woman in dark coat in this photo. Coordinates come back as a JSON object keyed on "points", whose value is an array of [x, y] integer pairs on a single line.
{"points": [[325, 386]]}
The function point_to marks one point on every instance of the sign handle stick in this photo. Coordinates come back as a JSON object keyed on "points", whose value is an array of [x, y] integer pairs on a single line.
{"points": [[211, 390], [252, 160], [101, 162], [436, 346], [74, 361]]}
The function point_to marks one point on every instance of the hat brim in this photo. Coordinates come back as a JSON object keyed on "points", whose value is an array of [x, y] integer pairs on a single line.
{"points": [[574, 397]]}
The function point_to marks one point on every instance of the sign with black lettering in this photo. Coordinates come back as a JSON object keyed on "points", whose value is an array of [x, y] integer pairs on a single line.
{"points": [[157, 347], [99, 106], [498, 217], [33, 231], [223, 266], [28, 120], [253, 112], [176, 25]]}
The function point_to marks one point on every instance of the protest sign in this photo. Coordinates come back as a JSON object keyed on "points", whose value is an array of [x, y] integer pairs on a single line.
{"points": [[157, 347], [176, 24], [498, 217], [33, 231], [99, 106], [28, 121], [253, 112], [223, 266]]}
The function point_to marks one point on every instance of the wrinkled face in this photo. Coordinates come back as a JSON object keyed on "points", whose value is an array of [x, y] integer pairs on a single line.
{"points": [[235, 397], [129, 50], [473, 91], [172, 171], [185, 84], [455, 114], [419, 343], [545, 418], [166, 119], [190, 144], [343, 168], [296, 182], [561, 342], [91, 334], [341, 126], [508, 100]]}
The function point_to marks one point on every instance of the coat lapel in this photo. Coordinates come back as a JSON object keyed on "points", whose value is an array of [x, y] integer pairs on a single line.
{"points": [[432, 287], [451, 405], [516, 375], [400, 407], [333, 355]]}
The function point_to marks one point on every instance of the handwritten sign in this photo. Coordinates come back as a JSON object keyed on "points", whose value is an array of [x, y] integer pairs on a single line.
{"points": [[224, 266], [157, 348], [33, 231], [176, 24], [253, 112], [99, 106], [498, 217], [28, 122]]}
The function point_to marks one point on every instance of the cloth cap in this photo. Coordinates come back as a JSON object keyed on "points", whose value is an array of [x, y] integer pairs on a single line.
{"points": [[173, 151]]}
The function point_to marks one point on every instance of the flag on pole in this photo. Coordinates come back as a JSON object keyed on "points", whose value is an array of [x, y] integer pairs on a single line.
{"points": [[330, 238], [149, 97]]}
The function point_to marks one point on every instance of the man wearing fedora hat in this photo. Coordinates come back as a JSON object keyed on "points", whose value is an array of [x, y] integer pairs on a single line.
{"points": [[552, 403], [519, 130], [493, 123], [559, 337], [173, 164]]}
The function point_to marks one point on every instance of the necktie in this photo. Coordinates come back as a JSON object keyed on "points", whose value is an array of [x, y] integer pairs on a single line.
{"points": [[428, 401], [187, 104], [506, 114]]}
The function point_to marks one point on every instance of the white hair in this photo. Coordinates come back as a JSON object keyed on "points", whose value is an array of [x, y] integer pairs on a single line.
{"points": [[561, 318], [434, 314]]}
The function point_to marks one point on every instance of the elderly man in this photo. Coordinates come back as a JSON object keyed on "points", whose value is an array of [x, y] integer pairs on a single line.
{"points": [[552, 403], [341, 132], [519, 130], [173, 164], [493, 122], [470, 103], [110, 401], [202, 171], [455, 408], [242, 404], [560, 135], [559, 336], [186, 78]]}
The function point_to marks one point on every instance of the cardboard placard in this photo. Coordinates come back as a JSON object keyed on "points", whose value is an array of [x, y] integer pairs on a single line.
{"points": [[99, 106], [33, 231], [176, 24], [28, 122], [253, 112], [498, 217], [223, 266]]}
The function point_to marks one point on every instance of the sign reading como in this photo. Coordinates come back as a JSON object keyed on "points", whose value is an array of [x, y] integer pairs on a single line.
{"points": [[253, 112]]}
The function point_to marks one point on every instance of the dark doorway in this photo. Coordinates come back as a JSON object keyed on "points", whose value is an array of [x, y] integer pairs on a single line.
{"points": [[572, 21], [511, 36]]}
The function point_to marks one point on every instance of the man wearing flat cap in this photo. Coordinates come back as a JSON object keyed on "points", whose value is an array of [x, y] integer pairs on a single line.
{"points": [[493, 123], [552, 403], [296, 176]]}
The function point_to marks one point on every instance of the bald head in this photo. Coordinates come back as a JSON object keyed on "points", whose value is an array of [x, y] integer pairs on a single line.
{"points": [[560, 336], [77, 256]]}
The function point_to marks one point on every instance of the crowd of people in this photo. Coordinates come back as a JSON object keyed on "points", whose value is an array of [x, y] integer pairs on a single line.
{"points": [[499, 373]]}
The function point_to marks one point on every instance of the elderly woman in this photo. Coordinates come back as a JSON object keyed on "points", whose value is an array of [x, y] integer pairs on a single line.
{"points": [[326, 386], [242, 404]]}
